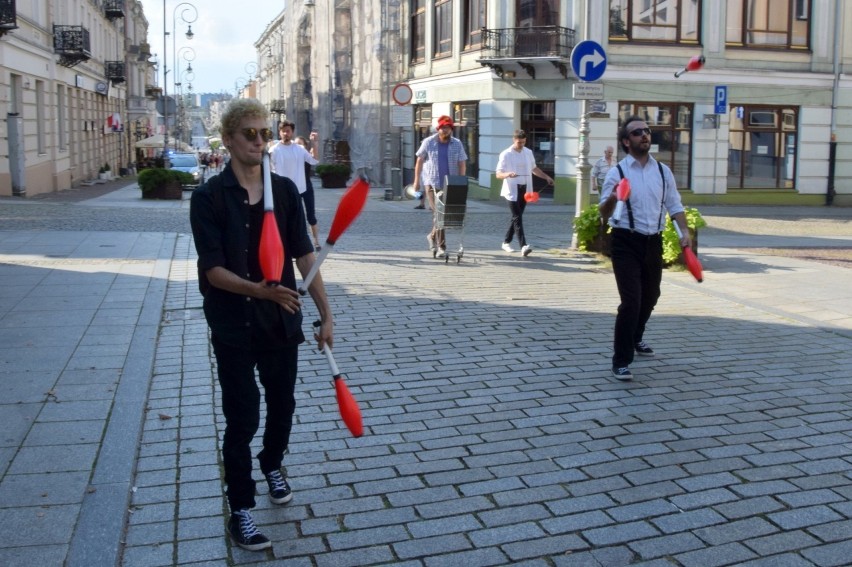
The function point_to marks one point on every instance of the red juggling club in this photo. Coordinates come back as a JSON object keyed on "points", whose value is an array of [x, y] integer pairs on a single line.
{"points": [[696, 62], [350, 206], [689, 257], [622, 191], [346, 403], [271, 252]]}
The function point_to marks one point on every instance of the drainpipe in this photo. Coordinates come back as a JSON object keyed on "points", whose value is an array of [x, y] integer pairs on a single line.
{"points": [[832, 144]]}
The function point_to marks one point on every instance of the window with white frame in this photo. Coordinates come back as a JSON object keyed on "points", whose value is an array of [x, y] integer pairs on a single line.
{"points": [[765, 24], [655, 21]]}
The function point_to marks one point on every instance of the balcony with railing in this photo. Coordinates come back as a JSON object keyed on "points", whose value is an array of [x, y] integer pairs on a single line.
{"points": [[114, 71], [526, 47], [8, 16], [114, 9], [72, 44], [278, 106]]}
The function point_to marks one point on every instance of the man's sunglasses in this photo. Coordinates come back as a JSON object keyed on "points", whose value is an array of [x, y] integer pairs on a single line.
{"points": [[250, 134], [640, 132]]}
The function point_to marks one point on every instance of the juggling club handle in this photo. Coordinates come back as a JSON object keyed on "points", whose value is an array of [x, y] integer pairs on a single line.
{"points": [[315, 268]]}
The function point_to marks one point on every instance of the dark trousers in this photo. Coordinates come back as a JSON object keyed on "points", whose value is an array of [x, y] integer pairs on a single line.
{"points": [[637, 261], [517, 223], [241, 408]]}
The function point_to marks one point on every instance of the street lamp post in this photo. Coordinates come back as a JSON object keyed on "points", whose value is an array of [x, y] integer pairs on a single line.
{"points": [[188, 55], [187, 7]]}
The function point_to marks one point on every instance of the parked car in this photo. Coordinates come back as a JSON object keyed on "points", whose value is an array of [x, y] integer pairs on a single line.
{"points": [[188, 163]]}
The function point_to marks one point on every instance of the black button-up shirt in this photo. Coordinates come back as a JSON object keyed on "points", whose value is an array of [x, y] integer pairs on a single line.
{"points": [[226, 229]]}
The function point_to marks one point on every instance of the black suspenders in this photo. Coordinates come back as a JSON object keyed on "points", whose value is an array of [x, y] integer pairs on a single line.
{"points": [[630, 210]]}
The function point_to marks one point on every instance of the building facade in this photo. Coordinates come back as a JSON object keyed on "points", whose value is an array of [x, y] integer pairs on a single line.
{"points": [[784, 65], [783, 136], [330, 66], [73, 76]]}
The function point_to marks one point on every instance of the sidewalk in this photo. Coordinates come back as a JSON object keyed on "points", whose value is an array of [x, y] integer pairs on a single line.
{"points": [[494, 433]]}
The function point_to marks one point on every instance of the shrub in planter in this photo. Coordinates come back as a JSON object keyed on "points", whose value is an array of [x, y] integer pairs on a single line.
{"points": [[105, 172], [161, 183], [592, 236], [672, 252], [333, 175]]}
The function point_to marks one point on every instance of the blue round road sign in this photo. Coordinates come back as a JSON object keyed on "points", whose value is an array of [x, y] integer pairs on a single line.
{"points": [[588, 60]]}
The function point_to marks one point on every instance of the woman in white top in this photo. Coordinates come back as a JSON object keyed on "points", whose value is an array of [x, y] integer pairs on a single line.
{"points": [[516, 166]]}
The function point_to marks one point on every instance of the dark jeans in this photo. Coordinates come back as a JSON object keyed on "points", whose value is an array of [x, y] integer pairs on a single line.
{"points": [[310, 207], [241, 408], [637, 262], [517, 223]]}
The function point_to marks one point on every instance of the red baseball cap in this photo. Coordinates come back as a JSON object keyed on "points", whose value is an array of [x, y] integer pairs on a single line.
{"points": [[445, 121]]}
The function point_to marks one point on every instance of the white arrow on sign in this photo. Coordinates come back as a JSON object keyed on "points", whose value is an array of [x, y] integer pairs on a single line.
{"points": [[594, 58]]}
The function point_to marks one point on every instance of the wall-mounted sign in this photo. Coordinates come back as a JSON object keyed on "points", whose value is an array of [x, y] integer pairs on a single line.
{"points": [[420, 96]]}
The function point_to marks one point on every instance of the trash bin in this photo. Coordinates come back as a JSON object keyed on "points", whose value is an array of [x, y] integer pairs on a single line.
{"points": [[396, 182]]}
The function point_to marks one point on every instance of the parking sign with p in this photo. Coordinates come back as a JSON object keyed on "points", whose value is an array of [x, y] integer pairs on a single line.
{"points": [[721, 100]]}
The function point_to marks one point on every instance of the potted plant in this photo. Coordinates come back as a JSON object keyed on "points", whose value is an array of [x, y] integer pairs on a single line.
{"points": [[594, 236], [672, 252], [333, 175], [105, 172], [161, 183]]}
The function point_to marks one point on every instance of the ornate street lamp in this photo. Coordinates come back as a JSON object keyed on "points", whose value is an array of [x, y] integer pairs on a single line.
{"points": [[193, 15]]}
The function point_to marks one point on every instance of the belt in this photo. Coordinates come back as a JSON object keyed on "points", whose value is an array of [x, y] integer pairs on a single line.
{"points": [[633, 233]]}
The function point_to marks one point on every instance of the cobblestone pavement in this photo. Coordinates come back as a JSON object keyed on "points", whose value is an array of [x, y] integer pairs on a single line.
{"points": [[494, 432]]}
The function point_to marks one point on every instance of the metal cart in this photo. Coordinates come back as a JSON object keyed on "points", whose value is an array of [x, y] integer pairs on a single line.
{"points": [[450, 208]]}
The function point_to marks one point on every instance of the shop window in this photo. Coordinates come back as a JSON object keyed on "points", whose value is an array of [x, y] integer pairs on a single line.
{"points": [[762, 144], [466, 117], [671, 139], [538, 120]]}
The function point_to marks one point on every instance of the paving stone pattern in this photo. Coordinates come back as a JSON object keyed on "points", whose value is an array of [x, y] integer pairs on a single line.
{"points": [[494, 432]]}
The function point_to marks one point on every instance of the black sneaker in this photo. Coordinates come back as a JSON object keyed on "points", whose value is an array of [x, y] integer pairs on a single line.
{"points": [[279, 490], [622, 373], [642, 349], [245, 534]]}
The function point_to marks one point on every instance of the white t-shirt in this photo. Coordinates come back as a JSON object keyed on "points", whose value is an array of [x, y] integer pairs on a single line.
{"points": [[288, 160], [522, 163]]}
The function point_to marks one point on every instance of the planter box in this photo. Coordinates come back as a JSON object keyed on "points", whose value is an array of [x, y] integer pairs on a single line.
{"points": [[173, 190], [334, 181]]}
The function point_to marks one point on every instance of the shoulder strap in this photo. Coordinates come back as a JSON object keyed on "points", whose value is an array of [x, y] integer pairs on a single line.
{"points": [[662, 198], [630, 221]]}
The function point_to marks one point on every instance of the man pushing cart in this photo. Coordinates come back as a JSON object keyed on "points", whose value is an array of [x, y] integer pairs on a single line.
{"points": [[440, 156]]}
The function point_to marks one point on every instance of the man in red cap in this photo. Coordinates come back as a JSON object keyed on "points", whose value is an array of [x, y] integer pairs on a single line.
{"points": [[439, 155]]}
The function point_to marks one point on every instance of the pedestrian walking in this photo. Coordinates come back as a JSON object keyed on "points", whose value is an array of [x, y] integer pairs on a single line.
{"points": [[440, 155], [254, 326], [516, 166], [637, 243], [601, 168], [289, 159]]}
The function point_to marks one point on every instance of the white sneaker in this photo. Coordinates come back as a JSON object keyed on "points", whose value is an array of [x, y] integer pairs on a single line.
{"points": [[442, 252], [508, 247], [526, 250]]}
